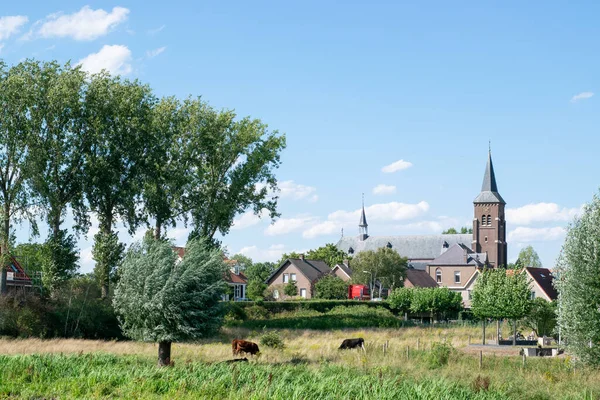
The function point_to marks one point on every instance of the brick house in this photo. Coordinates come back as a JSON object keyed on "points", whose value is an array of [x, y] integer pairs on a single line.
{"points": [[301, 270]]}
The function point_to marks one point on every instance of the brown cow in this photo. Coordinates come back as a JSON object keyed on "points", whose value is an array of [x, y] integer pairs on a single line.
{"points": [[243, 346]]}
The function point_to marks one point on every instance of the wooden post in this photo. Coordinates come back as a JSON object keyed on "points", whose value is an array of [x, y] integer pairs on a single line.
{"points": [[480, 359], [387, 345], [483, 331], [523, 358]]}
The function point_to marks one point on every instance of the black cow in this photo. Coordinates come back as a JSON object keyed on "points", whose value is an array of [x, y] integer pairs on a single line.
{"points": [[352, 343]]}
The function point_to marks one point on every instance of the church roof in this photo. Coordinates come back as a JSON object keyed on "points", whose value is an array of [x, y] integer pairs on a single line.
{"points": [[415, 247], [363, 218], [459, 254], [489, 188]]}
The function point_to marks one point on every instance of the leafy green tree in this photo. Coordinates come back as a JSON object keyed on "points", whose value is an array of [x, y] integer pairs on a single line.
{"points": [[291, 289], [259, 271], [31, 256], [435, 301], [329, 254], [528, 257], [453, 231], [108, 253], [62, 259], [118, 115], [231, 165], [256, 290], [16, 132], [384, 265], [401, 299], [576, 279], [164, 166], [160, 300], [243, 261], [285, 256], [331, 288], [542, 317]]}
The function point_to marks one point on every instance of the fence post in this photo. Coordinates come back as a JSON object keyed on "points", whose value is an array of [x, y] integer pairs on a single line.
{"points": [[523, 358], [480, 359]]}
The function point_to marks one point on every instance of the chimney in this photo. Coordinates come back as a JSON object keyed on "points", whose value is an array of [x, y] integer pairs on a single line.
{"points": [[346, 262], [302, 256]]}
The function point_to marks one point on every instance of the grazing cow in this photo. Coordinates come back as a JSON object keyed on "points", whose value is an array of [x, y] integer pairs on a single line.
{"points": [[352, 343], [243, 346]]}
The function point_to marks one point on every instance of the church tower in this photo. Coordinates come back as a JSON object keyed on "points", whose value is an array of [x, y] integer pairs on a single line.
{"points": [[363, 227], [489, 223]]}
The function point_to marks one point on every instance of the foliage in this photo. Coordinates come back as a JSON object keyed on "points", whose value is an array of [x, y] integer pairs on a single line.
{"points": [[331, 288], [24, 316], [384, 265], [230, 160], [272, 339], [108, 253], [244, 262], [159, 300], [291, 289], [401, 299], [498, 295], [259, 271], [453, 231], [542, 317], [329, 253], [234, 312], [576, 279], [31, 256], [257, 312], [61, 259], [256, 290], [285, 256], [311, 304], [528, 257], [439, 355], [436, 301]]}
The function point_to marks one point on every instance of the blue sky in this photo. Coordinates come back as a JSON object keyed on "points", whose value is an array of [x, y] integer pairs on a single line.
{"points": [[360, 86]]}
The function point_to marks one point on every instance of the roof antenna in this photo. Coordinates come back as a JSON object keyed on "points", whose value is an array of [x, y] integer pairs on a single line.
{"points": [[490, 146], [363, 200], [342, 232]]}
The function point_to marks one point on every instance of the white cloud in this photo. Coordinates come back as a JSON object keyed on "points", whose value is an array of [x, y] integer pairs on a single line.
{"points": [[86, 261], [540, 212], [396, 166], [116, 59], [10, 25], [422, 226], [248, 219], [1, 47], [272, 254], [323, 228], [287, 225], [296, 191], [581, 96], [524, 234], [156, 30], [384, 189], [383, 212], [85, 24], [179, 235], [155, 52]]}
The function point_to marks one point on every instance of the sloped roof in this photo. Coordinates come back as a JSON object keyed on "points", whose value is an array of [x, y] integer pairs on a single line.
{"points": [[231, 277], [179, 250], [411, 246], [312, 269], [489, 188], [543, 277], [419, 278], [363, 218], [459, 254], [344, 268]]}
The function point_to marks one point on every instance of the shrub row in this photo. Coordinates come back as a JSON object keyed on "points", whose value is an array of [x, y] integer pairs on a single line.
{"points": [[316, 305]]}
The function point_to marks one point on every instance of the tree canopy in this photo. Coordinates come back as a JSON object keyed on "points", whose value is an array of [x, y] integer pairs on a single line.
{"points": [[576, 279], [453, 231], [528, 257], [383, 265], [331, 288], [329, 254]]}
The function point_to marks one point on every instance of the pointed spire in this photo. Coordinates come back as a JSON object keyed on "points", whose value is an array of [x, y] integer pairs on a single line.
{"points": [[363, 218], [489, 188]]}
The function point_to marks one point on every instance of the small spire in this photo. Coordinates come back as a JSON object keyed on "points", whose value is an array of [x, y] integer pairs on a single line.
{"points": [[363, 218], [489, 188]]}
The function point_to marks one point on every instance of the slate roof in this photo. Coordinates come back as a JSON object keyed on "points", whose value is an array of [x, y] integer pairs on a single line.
{"points": [[312, 269], [419, 247], [544, 278], [363, 218], [419, 278], [489, 188], [459, 254], [418, 265]]}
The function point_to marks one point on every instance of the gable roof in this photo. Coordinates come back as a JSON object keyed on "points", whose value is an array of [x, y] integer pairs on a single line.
{"points": [[419, 278], [240, 278], [489, 188], [459, 254], [312, 269], [419, 247], [344, 268], [543, 277]]}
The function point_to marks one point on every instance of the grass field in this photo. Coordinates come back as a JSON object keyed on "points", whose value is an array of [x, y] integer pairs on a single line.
{"points": [[309, 367]]}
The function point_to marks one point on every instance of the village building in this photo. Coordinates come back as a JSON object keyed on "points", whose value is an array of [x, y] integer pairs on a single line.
{"points": [[300, 270], [541, 283]]}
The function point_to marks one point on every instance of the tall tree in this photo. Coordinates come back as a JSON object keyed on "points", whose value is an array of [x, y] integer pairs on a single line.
{"points": [[576, 279], [17, 99], [329, 254], [118, 114], [528, 257], [58, 148], [383, 265], [231, 167], [331, 288], [244, 262], [164, 166], [160, 300]]}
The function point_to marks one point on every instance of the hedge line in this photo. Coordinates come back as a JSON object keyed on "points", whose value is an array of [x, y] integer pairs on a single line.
{"points": [[316, 305]]}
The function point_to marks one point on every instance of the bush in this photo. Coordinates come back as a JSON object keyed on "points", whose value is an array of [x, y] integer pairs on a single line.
{"points": [[400, 299], [439, 355], [291, 289], [317, 305], [257, 312], [272, 339], [235, 313], [331, 288]]}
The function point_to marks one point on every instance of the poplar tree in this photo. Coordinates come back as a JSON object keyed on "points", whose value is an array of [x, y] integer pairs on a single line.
{"points": [[160, 300]]}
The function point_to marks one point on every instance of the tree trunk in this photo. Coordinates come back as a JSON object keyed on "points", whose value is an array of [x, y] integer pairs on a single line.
{"points": [[164, 354], [514, 332], [483, 341], [105, 282], [157, 229], [4, 250], [497, 331]]}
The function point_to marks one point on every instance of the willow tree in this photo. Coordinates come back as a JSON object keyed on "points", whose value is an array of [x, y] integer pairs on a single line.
{"points": [[576, 279], [230, 163], [118, 116], [160, 300]]}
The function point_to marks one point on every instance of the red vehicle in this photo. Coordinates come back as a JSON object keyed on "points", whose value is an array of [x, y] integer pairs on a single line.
{"points": [[358, 292]]}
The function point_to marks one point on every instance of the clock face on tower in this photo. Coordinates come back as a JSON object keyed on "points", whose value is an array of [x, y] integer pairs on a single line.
{"points": [[486, 209]]}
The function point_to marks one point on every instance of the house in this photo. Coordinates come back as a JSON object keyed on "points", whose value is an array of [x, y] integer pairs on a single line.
{"points": [[541, 283], [301, 270], [234, 277], [343, 271], [16, 277], [419, 279]]}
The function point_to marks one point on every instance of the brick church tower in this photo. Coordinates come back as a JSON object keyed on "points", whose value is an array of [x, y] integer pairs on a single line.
{"points": [[489, 224]]}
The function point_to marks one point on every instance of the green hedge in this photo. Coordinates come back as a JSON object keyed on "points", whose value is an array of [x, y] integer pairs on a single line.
{"points": [[316, 305]]}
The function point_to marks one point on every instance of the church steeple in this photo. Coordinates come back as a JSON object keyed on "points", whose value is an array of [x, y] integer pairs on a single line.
{"points": [[489, 223], [363, 227]]}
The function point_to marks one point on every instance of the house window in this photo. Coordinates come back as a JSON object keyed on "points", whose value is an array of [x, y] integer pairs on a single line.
{"points": [[275, 294], [286, 278], [532, 295], [469, 294], [237, 291], [456, 276], [485, 239], [438, 276], [293, 277], [303, 293]]}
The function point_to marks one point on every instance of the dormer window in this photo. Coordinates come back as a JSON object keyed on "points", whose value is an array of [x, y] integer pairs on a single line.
{"points": [[351, 250], [389, 245], [445, 245]]}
